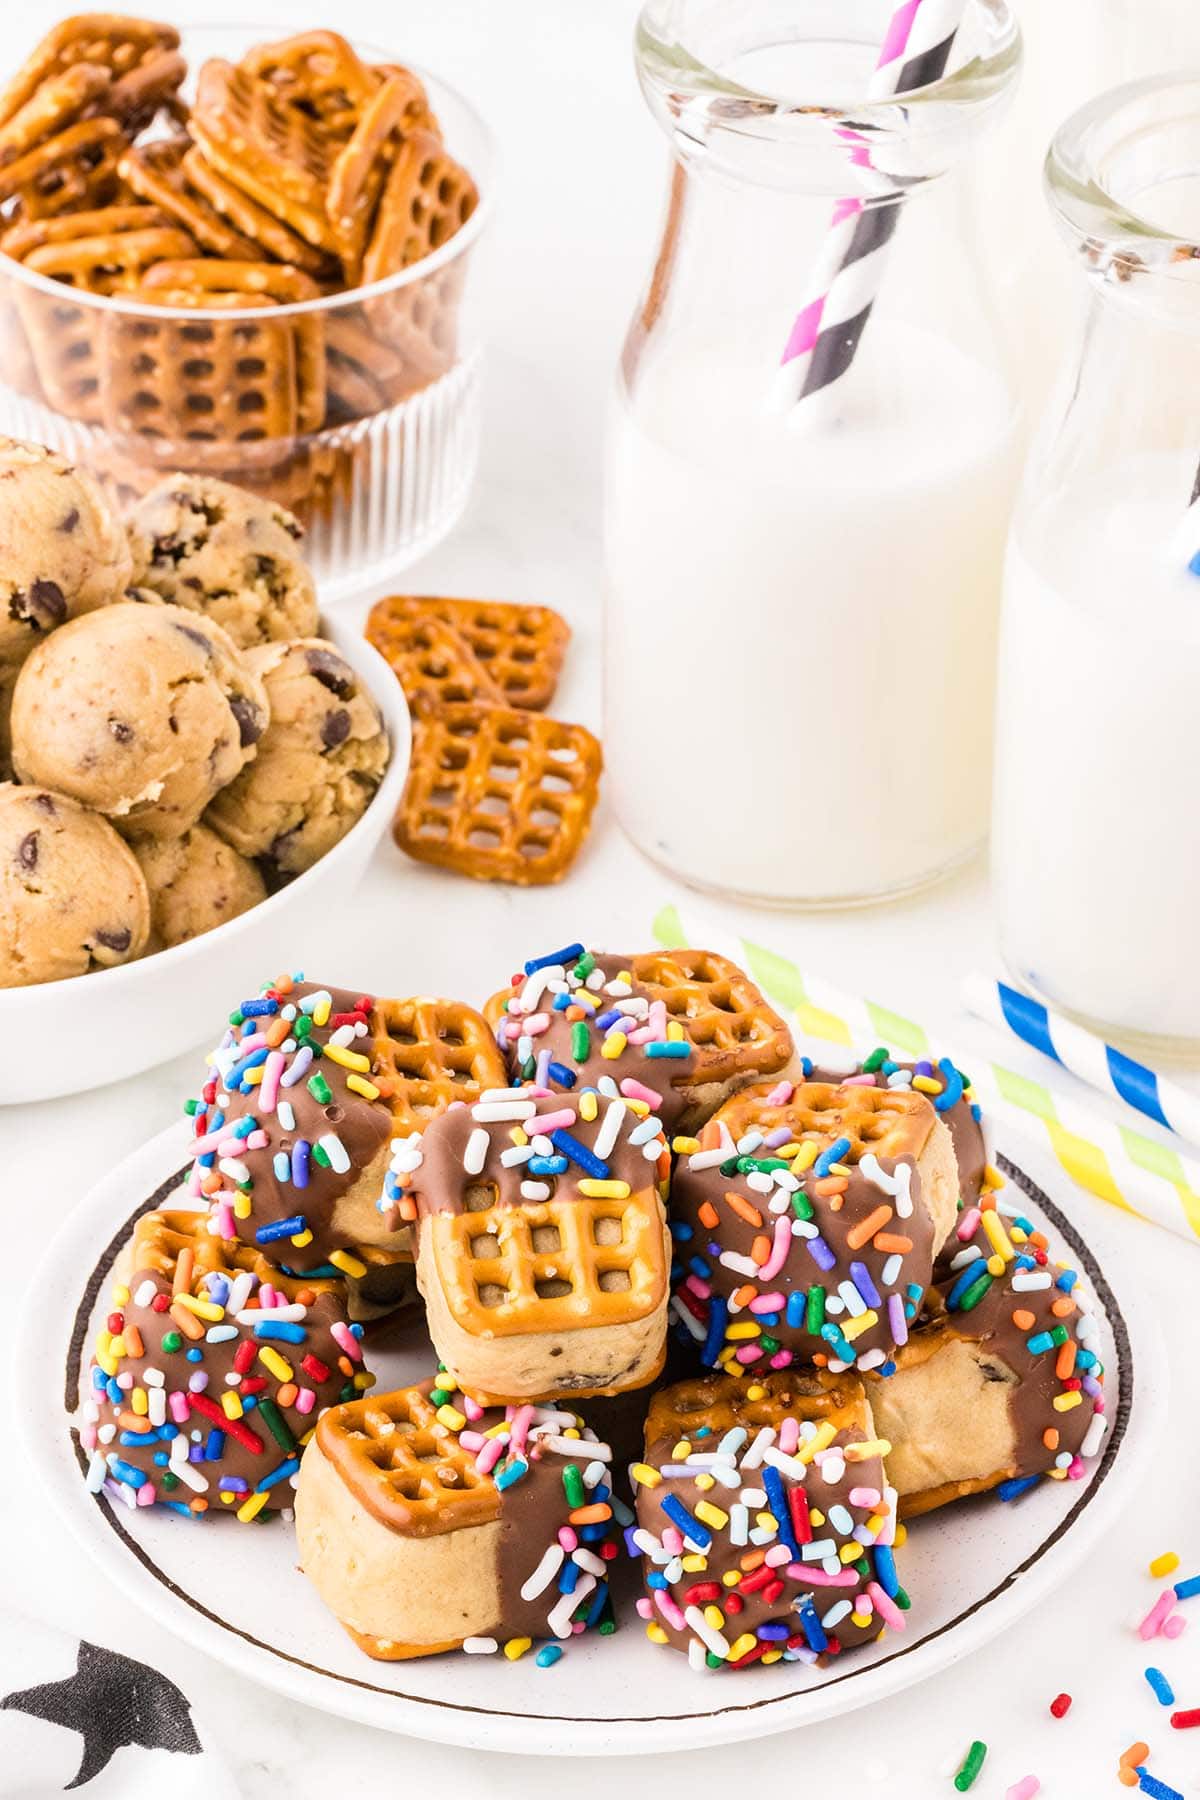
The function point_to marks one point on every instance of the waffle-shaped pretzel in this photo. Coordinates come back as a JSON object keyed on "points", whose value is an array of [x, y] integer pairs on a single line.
{"points": [[765, 1521], [64, 343], [272, 152], [76, 172], [545, 1276], [71, 167], [812, 1215], [208, 1374], [427, 198], [55, 104], [162, 1239], [155, 173], [404, 1467], [137, 96], [425, 1521], [711, 1405], [109, 262], [31, 234], [627, 1009], [497, 794], [109, 40], [434, 665], [887, 1122], [1003, 1383], [250, 220], [65, 339], [410, 340], [205, 281], [521, 647], [363, 373], [357, 174], [200, 393], [552, 1267], [426, 1054], [319, 74]]}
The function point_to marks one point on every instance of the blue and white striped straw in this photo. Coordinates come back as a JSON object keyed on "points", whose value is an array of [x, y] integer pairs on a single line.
{"points": [[1086, 1055]]}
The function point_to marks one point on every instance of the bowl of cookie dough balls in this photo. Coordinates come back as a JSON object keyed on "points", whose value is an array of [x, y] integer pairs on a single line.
{"points": [[194, 768]]}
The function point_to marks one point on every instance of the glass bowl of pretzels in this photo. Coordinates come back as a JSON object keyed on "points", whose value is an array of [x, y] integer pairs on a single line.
{"points": [[248, 259]]}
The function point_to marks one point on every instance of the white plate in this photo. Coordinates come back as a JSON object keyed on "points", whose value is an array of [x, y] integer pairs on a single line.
{"points": [[235, 1593], [149, 1011]]}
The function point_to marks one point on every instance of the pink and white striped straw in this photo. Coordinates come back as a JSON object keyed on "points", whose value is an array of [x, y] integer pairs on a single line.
{"points": [[826, 331]]}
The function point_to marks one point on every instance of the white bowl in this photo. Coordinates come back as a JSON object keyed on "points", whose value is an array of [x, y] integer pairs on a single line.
{"points": [[62, 1037]]}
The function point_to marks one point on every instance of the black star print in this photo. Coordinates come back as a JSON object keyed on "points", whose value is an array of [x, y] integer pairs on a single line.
{"points": [[111, 1701]]}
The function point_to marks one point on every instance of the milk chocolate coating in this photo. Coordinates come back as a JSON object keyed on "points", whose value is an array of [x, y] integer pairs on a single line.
{"points": [[992, 1324], [233, 1461], [722, 1556], [660, 1074], [784, 1344], [364, 1127], [759, 1044], [442, 1183], [964, 1127]]}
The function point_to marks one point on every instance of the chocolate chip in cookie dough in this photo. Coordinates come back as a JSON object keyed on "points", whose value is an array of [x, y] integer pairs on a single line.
{"points": [[249, 718], [42, 608], [69, 520], [278, 847], [27, 852], [196, 637], [116, 941], [45, 803], [332, 673], [121, 731], [335, 728]]}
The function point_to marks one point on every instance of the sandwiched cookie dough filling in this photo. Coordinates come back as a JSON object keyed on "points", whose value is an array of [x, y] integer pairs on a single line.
{"points": [[426, 1521]]}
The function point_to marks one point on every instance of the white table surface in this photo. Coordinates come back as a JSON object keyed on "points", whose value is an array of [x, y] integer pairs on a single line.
{"points": [[584, 178]]}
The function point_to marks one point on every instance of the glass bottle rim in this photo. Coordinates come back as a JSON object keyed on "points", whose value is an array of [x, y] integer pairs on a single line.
{"points": [[1095, 176], [676, 73]]}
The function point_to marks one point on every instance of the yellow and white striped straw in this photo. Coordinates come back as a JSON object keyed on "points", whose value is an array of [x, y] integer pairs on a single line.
{"points": [[1109, 1160]]}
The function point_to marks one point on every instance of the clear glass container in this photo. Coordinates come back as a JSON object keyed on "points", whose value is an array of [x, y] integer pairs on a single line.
{"points": [[1096, 851], [359, 410], [1073, 50], [802, 586]]}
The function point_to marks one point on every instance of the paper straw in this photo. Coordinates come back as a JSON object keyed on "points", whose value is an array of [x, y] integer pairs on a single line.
{"points": [[825, 334], [1080, 1050], [1112, 1162], [1184, 547]]}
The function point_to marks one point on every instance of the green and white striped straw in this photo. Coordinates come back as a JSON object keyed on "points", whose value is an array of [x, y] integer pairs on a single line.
{"points": [[1109, 1160]]}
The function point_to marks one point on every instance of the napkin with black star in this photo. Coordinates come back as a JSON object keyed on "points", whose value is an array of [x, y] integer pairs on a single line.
{"points": [[76, 1716]]}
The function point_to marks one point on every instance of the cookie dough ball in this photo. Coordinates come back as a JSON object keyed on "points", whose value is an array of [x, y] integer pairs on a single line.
{"points": [[141, 712], [318, 764], [62, 552], [72, 897], [196, 882], [226, 553]]}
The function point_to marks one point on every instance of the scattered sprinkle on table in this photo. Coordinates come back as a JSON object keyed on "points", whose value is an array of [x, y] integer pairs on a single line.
{"points": [[1164, 1693], [971, 1764]]}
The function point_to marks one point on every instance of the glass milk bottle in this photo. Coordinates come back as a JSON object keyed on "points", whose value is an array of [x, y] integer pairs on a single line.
{"points": [[1096, 849], [811, 455], [1073, 50]]}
